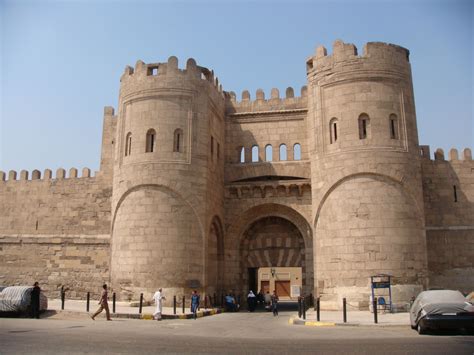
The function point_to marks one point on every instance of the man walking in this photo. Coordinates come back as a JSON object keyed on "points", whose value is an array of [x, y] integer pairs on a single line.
{"points": [[275, 303], [195, 300], [103, 304], [35, 301], [158, 298]]}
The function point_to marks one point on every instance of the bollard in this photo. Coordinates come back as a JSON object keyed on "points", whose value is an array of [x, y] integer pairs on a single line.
{"points": [[318, 311], [299, 307], [141, 304], [222, 300], [174, 304], [374, 305], [344, 310], [183, 303], [88, 301], [238, 301], [205, 302], [215, 300], [63, 299], [311, 300], [113, 302], [303, 306]]}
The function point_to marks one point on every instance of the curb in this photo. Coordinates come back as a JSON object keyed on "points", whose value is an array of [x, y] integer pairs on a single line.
{"points": [[299, 321], [149, 316]]}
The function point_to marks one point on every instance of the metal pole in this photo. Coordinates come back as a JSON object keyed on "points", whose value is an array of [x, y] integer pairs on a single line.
{"points": [[344, 310], [318, 311], [141, 304], [311, 300], [222, 300], [205, 302], [374, 305], [303, 305], [174, 304], [299, 307], [113, 302], [215, 300], [184, 299], [88, 301], [63, 299]]}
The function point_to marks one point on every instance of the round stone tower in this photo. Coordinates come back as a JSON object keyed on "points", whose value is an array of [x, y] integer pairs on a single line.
{"points": [[366, 173], [167, 199]]}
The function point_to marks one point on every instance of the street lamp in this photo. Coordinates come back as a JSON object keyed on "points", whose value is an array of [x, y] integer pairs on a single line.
{"points": [[272, 270]]}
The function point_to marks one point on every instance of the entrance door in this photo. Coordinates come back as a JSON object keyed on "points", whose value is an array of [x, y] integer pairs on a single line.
{"points": [[282, 288], [265, 286], [253, 279]]}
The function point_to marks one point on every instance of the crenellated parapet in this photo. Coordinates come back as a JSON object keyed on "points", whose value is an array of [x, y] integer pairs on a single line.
{"points": [[439, 155], [47, 175], [376, 55], [155, 75], [261, 104]]}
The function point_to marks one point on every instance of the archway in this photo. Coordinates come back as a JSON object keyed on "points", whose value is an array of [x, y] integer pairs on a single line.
{"points": [[215, 258]]}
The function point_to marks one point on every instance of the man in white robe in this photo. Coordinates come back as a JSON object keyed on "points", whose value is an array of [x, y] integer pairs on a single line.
{"points": [[158, 297]]}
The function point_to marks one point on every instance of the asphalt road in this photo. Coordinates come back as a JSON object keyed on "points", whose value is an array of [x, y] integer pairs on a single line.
{"points": [[259, 333]]}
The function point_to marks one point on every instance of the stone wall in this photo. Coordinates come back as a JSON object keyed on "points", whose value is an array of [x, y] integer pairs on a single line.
{"points": [[448, 188], [56, 232]]}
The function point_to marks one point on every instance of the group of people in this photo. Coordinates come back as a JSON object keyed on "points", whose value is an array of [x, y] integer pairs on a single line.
{"points": [[231, 305], [270, 301]]}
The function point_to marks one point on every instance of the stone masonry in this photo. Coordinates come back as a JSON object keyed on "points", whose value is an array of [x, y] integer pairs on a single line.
{"points": [[196, 187]]}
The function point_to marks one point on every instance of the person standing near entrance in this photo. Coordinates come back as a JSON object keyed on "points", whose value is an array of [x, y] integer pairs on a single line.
{"points": [[103, 304], [35, 301], [195, 300], [158, 297], [275, 303], [251, 301]]}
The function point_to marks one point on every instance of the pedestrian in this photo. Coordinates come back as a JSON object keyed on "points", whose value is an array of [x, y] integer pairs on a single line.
{"points": [[268, 301], [103, 304], [35, 301], [195, 301], [251, 301], [275, 303], [158, 297]]}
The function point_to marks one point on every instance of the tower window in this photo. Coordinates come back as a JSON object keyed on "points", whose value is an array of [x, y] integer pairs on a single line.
{"points": [[150, 141], [128, 144], [297, 152], [268, 152], [283, 152], [393, 122], [364, 124], [177, 140], [242, 155], [255, 154], [333, 130], [455, 193], [212, 147]]}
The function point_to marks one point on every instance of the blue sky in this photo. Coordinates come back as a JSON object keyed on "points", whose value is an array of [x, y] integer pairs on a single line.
{"points": [[61, 61]]}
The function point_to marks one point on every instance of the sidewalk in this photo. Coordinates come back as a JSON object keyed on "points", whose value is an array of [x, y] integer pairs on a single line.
{"points": [[354, 318], [124, 310]]}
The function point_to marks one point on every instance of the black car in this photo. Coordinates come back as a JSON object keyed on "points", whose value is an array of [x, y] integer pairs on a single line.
{"points": [[441, 309]]}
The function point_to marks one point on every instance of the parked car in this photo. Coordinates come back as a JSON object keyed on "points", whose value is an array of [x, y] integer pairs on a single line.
{"points": [[17, 299], [441, 309]]}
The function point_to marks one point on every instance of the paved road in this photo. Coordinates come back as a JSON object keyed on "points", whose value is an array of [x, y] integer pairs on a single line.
{"points": [[259, 333]]}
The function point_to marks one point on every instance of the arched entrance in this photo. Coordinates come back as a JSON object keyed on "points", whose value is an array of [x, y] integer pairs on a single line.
{"points": [[273, 257]]}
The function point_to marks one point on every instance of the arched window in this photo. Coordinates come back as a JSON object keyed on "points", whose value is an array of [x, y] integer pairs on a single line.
{"points": [[178, 140], [242, 155], [255, 154], [297, 152], [393, 125], [128, 144], [150, 140], [333, 130], [283, 152], [364, 126], [268, 152]]}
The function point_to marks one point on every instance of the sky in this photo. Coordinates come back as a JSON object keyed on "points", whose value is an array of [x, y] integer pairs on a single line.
{"points": [[61, 61]]}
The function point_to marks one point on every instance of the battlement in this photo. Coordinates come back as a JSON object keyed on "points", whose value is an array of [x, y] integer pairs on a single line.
{"points": [[47, 175], [439, 154], [170, 69], [373, 52], [260, 104]]}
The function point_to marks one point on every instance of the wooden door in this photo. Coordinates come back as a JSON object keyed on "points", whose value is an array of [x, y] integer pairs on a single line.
{"points": [[283, 288], [265, 286]]}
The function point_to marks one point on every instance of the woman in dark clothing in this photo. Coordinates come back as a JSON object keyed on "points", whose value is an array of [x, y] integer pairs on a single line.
{"points": [[35, 301]]}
